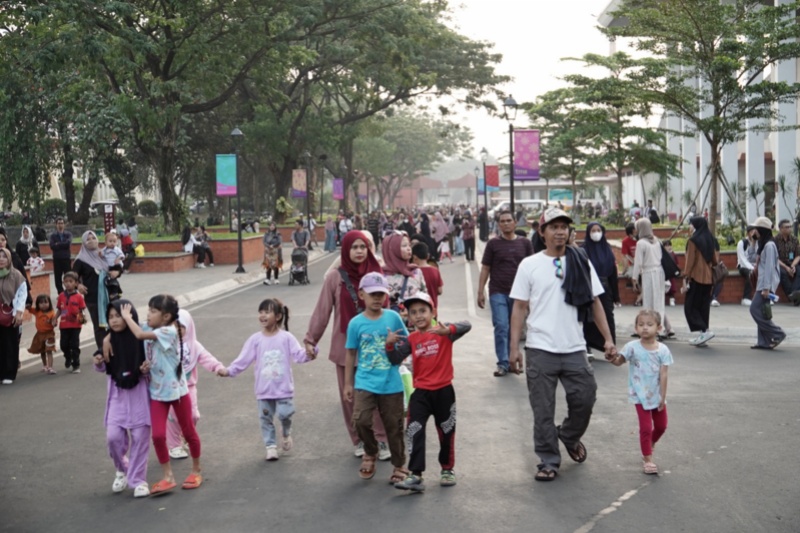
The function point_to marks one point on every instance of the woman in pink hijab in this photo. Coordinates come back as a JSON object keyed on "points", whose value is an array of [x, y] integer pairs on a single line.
{"points": [[405, 278]]}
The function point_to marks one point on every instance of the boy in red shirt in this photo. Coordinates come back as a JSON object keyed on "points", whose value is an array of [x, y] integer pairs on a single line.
{"points": [[431, 349], [70, 309]]}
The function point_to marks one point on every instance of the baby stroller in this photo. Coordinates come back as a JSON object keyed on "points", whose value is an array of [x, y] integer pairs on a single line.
{"points": [[298, 272]]}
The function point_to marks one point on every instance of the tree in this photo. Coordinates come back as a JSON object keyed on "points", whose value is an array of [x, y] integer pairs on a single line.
{"points": [[567, 144], [615, 113], [393, 150], [705, 63]]}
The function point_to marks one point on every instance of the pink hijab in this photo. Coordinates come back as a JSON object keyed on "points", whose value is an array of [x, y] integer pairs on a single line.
{"points": [[395, 264], [193, 348]]}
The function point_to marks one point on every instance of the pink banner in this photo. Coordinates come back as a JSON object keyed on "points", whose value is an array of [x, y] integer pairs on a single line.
{"points": [[338, 189], [526, 155]]}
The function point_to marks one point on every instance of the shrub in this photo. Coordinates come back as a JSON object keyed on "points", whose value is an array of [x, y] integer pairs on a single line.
{"points": [[54, 208], [148, 208]]}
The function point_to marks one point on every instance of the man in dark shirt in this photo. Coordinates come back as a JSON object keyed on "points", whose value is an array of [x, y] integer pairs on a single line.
{"points": [[502, 256], [60, 242], [788, 256]]}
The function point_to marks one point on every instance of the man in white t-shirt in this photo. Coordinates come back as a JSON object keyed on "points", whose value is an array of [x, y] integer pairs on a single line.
{"points": [[554, 347]]}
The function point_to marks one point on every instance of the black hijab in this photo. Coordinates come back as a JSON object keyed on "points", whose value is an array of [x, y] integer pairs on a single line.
{"points": [[127, 352], [600, 253], [702, 238]]}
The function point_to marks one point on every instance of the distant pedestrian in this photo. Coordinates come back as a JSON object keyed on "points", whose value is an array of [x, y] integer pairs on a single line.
{"points": [[127, 413], [649, 361], [701, 253], [44, 342], [499, 263], [746, 257], [554, 293], [70, 313], [431, 350], [330, 235], [272, 350], [770, 335], [273, 254], [468, 235], [60, 243]]}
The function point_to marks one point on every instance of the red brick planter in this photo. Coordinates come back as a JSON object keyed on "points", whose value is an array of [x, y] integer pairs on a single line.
{"points": [[163, 263]]}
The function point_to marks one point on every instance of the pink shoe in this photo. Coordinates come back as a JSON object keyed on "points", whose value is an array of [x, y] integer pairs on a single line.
{"points": [[51, 371]]}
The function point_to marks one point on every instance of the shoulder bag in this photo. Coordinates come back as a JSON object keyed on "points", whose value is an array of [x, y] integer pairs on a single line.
{"points": [[350, 289], [718, 273], [668, 264], [6, 315]]}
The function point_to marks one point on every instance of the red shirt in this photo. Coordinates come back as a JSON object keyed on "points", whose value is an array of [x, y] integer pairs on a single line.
{"points": [[70, 307], [629, 247], [432, 359], [433, 280]]}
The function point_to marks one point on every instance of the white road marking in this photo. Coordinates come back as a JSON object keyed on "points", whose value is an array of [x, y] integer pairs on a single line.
{"points": [[588, 526], [470, 295]]}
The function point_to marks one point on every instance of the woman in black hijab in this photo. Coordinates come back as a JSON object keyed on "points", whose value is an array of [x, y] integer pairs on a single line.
{"points": [[702, 252]]}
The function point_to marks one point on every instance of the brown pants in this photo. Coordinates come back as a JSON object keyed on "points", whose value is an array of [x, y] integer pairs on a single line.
{"points": [[390, 409]]}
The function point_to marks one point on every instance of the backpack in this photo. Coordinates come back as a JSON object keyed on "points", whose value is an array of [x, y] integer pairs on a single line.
{"points": [[653, 216], [668, 264]]}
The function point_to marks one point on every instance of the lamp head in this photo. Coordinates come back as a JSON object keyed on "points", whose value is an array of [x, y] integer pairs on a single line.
{"points": [[484, 154], [510, 108], [237, 136]]}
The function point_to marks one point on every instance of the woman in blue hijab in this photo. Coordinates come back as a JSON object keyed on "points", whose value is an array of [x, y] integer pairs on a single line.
{"points": [[605, 264]]}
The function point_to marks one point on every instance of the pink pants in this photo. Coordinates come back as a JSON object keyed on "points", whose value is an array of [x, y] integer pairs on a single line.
{"points": [[347, 411], [135, 443], [173, 426], [158, 418], [652, 425]]}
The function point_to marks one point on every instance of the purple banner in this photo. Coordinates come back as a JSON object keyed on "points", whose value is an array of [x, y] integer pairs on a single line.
{"points": [[526, 155], [338, 189], [299, 183]]}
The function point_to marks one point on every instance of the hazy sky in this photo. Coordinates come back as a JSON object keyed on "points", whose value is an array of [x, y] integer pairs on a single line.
{"points": [[532, 36]]}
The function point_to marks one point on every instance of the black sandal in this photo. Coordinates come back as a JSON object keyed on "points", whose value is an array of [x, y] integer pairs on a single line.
{"points": [[578, 454], [545, 474]]}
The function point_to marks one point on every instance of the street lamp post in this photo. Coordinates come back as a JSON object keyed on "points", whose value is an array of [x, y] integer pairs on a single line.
{"points": [[477, 185], [237, 136], [322, 160], [510, 113], [484, 157]]}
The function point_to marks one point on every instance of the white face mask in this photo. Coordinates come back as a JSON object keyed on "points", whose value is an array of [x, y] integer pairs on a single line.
{"points": [[596, 236]]}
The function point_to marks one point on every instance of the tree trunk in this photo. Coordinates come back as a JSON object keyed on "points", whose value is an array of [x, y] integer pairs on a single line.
{"points": [[714, 196], [67, 176], [170, 203]]}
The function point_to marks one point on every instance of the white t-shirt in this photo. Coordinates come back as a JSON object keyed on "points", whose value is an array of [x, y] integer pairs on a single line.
{"points": [[552, 323]]}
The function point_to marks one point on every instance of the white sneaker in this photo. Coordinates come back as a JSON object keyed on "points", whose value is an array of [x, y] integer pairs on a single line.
{"points": [[211, 264], [672, 302], [142, 491], [277, 281], [359, 450], [272, 453], [201, 265], [288, 442], [8, 381], [76, 370], [714, 303], [120, 482], [178, 453], [383, 451], [747, 301], [707, 336]]}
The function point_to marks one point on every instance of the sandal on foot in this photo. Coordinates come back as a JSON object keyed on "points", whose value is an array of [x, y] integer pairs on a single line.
{"points": [[578, 453], [367, 469], [545, 474], [651, 469], [776, 342], [399, 474], [193, 481], [162, 487]]}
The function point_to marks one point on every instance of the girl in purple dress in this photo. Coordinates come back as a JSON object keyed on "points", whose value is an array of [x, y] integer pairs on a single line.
{"points": [[127, 417]]}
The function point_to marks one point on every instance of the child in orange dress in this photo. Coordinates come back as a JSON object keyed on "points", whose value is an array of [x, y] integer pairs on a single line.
{"points": [[44, 342]]}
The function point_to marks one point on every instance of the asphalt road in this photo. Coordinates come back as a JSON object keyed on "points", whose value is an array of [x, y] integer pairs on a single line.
{"points": [[728, 459]]}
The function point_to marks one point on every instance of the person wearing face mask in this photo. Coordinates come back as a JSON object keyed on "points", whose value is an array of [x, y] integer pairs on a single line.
{"points": [[602, 258], [746, 256]]}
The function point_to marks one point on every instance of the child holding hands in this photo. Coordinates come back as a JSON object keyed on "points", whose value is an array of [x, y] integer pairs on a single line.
{"points": [[376, 382], [647, 382], [431, 349], [272, 350]]}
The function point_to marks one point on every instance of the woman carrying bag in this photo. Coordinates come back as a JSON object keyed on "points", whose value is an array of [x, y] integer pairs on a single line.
{"points": [[701, 254], [13, 293]]}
